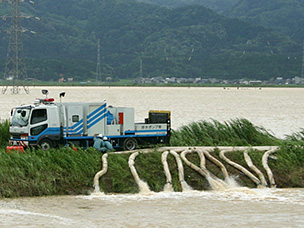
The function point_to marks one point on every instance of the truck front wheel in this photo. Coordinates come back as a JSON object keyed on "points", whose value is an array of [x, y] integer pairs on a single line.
{"points": [[46, 144], [130, 144]]}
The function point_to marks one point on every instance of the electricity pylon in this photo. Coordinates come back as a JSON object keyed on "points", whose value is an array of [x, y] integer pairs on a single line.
{"points": [[15, 68], [98, 67], [140, 68]]}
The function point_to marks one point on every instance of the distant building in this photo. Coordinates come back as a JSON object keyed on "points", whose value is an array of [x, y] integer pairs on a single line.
{"points": [[61, 80], [297, 80], [109, 79], [244, 82], [10, 78], [279, 80], [256, 82], [213, 80]]}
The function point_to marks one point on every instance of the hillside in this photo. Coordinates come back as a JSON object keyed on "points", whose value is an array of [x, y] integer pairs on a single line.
{"points": [[216, 5], [190, 41], [286, 16]]}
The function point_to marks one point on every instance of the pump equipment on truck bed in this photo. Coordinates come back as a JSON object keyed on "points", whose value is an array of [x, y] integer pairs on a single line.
{"points": [[48, 124]]}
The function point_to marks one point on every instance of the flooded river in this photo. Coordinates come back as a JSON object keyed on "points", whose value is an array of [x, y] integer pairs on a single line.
{"points": [[238, 208], [279, 110]]}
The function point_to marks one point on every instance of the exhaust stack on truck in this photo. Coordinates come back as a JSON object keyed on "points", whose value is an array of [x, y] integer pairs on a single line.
{"points": [[48, 124]]}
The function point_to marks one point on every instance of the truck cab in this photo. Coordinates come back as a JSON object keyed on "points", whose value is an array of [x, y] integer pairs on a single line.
{"points": [[36, 125]]}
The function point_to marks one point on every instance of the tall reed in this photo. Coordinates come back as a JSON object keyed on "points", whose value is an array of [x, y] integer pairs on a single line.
{"points": [[296, 136], [238, 132], [4, 132]]}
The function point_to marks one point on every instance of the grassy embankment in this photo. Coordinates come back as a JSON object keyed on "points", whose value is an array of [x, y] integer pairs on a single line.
{"points": [[64, 171]]}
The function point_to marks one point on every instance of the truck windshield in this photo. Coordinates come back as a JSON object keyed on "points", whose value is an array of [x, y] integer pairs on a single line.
{"points": [[21, 116]]}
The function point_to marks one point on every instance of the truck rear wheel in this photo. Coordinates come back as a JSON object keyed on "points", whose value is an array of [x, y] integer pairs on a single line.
{"points": [[130, 144], [46, 144]]}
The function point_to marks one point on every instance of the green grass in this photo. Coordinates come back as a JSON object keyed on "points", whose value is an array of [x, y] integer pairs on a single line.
{"points": [[37, 172], [288, 169], [4, 133], [65, 171], [118, 179]]}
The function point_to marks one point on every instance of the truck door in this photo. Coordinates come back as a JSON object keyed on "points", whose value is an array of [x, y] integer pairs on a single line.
{"points": [[75, 120], [96, 119], [38, 121]]}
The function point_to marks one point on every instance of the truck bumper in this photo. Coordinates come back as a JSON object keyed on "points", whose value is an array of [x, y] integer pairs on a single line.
{"points": [[22, 143]]}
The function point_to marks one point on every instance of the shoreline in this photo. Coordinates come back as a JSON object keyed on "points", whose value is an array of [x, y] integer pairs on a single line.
{"points": [[131, 84]]}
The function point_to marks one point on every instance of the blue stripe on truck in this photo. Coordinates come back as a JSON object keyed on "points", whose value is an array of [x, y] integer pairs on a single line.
{"points": [[97, 120], [47, 131], [93, 118], [96, 110]]}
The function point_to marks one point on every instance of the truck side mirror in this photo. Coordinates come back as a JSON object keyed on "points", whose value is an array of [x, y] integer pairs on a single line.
{"points": [[62, 94], [45, 92]]}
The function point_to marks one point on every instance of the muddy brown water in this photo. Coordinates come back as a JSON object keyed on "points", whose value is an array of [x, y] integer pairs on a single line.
{"points": [[279, 110], [239, 207]]}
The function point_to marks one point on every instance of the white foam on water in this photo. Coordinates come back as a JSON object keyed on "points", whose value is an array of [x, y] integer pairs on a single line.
{"points": [[14, 212], [228, 194], [143, 187], [97, 193], [216, 184], [122, 198], [97, 189], [168, 187], [185, 186], [231, 181]]}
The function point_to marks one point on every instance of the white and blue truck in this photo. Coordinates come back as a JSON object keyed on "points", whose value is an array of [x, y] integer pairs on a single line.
{"points": [[48, 124]]}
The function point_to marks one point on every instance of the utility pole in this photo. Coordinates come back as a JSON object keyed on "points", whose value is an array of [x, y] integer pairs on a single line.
{"points": [[15, 68], [98, 68]]}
